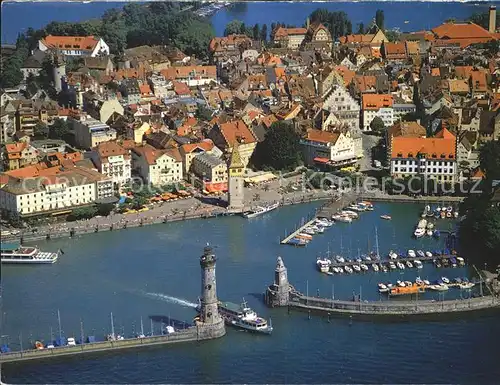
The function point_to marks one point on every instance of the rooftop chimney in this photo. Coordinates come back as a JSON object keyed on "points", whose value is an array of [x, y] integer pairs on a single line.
{"points": [[493, 19]]}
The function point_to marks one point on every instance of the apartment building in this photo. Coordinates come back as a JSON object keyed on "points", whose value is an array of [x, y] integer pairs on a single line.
{"points": [[377, 105], [157, 167], [328, 148], [113, 161], [90, 132]]}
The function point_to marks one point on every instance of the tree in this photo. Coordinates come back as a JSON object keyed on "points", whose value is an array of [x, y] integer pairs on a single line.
{"points": [[83, 213], [256, 32], [104, 209], [11, 73], [263, 33], [380, 19], [59, 129], [138, 202], [280, 149], [361, 28], [489, 158], [337, 23], [377, 124], [40, 129], [234, 27], [392, 36], [193, 37]]}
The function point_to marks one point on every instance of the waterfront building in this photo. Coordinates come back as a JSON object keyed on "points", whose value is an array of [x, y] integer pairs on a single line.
{"points": [[190, 150], [236, 193], [234, 133], [328, 148], [74, 45], [51, 190], [209, 172], [433, 158], [90, 132], [377, 105], [290, 38], [157, 167], [114, 161]]}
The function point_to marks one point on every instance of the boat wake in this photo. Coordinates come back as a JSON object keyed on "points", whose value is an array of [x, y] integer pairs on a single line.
{"points": [[168, 298]]}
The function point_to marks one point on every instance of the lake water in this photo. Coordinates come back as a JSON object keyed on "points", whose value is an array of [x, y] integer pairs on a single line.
{"points": [[17, 17], [154, 271]]}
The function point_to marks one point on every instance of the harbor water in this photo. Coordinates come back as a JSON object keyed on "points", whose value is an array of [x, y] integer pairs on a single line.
{"points": [[153, 272]]}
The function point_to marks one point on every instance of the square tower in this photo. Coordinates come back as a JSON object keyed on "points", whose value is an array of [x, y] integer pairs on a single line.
{"points": [[236, 170]]}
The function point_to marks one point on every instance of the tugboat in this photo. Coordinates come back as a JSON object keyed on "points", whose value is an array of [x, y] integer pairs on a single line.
{"points": [[243, 317]]}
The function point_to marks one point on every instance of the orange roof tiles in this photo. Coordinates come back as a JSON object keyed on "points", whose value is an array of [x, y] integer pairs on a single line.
{"points": [[84, 43], [282, 32], [394, 50], [12, 148], [346, 74], [463, 72], [458, 86], [322, 136], [181, 88], [268, 120], [145, 89], [478, 81], [111, 148], [443, 146], [206, 145], [376, 101], [223, 43], [365, 82], [461, 31], [435, 72], [236, 131], [182, 72], [357, 38]]}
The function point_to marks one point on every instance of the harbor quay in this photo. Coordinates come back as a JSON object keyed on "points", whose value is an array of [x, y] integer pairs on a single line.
{"points": [[208, 325], [282, 294]]}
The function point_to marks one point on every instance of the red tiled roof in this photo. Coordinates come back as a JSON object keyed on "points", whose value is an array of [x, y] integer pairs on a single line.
{"points": [[235, 131], [443, 146], [181, 72], [205, 145], [85, 43], [376, 101], [322, 136], [461, 31]]}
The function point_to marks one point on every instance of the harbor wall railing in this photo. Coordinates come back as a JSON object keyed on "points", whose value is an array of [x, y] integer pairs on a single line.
{"points": [[187, 335], [393, 307]]}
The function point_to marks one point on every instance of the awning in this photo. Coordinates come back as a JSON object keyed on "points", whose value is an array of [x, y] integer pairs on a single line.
{"points": [[321, 160], [216, 187], [261, 178]]}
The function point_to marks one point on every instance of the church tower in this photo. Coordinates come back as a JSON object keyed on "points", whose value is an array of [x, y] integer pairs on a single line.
{"points": [[236, 170], [209, 312]]}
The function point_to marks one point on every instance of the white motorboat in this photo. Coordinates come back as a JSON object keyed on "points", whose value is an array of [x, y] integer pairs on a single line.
{"points": [[393, 255], [342, 218], [392, 265], [367, 258], [429, 233], [356, 268], [384, 268], [309, 230], [420, 254], [408, 283], [466, 285], [400, 266], [340, 259], [260, 210], [419, 232], [375, 267], [400, 283], [15, 253], [418, 264], [426, 282], [428, 254], [323, 265], [411, 254], [419, 281], [348, 269], [340, 270], [422, 224], [445, 280], [364, 267], [439, 287], [461, 261], [350, 214], [409, 264], [319, 229], [386, 217], [455, 214], [323, 222]]}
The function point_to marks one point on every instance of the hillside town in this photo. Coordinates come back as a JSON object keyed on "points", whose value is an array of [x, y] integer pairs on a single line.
{"points": [[428, 99]]}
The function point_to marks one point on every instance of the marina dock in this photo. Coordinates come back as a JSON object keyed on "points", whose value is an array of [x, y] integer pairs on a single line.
{"points": [[289, 237], [399, 259]]}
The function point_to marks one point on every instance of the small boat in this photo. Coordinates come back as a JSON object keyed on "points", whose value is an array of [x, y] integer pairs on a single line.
{"points": [[439, 287], [436, 234], [442, 214], [386, 217], [449, 214], [384, 268], [392, 265], [426, 282], [445, 280], [449, 209], [306, 237], [329, 273], [453, 262], [400, 265], [400, 283], [309, 230], [393, 255], [375, 267], [38, 345], [419, 232], [367, 258], [359, 260], [340, 270], [319, 229], [348, 269], [428, 254], [430, 226], [323, 265], [411, 254], [418, 264], [297, 242], [461, 261], [419, 281], [342, 218], [340, 259], [420, 254], [466, 285], [408, 283], [429, 233], [356, 268], [382, 286], [350, 214], [455, 214], [364, 267], [409, 264]]}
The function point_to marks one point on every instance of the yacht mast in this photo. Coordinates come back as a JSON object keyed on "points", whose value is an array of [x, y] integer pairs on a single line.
{"points": [[112, 326], [81, 331], [376, 241], [59, 323], [142, 328]]}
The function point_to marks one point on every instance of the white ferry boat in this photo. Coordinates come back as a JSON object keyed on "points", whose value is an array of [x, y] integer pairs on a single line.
{"points": [[259, 210], [243, 317], [13, 252]]}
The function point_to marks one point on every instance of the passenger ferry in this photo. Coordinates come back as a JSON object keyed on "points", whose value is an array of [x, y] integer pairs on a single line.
{"points": [[259, 210], [243, 317], [13, 252]]}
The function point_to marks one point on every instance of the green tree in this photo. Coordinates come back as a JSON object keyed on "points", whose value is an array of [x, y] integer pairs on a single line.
{"points": [[83, 213], [11, 73], [337, 23], [138, 202], [361, 28], [256, 32], [380, 19], [489, 158], [40, 129], [483, 19], [104, 209], [263, 33], [234, 27], [392, 35], [377, 124], [59, 129], [193, 37], [280, 149]]}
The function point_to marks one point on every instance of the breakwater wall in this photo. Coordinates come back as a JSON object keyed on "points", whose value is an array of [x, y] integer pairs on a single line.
{"points": [[407, 199], [196, 333], [392, 308]]}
